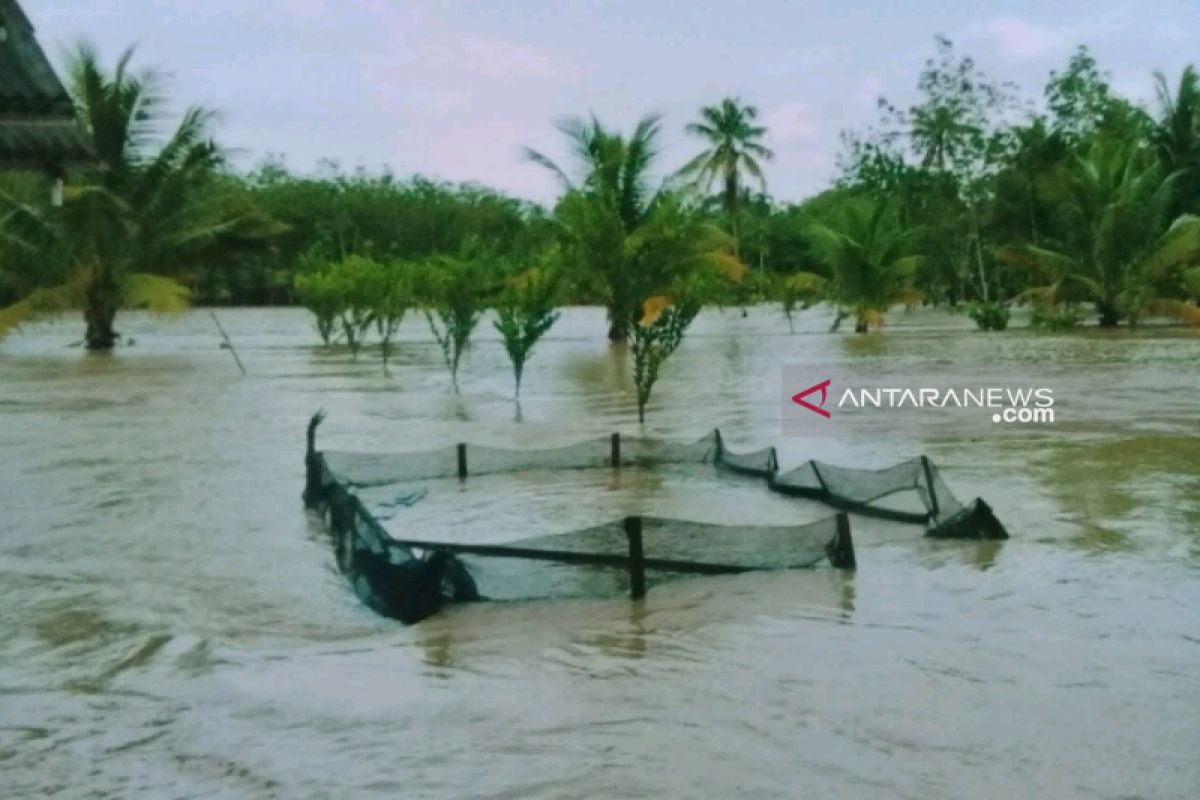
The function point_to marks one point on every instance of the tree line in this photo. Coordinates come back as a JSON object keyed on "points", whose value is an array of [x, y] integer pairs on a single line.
{"points": [[1081, 204]]}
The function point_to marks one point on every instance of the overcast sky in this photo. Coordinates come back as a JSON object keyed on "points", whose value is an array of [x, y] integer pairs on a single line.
{"points": [[453, 90]]}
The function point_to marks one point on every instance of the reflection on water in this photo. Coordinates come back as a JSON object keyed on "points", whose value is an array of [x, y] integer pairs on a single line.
{"points": [[1150, 485], [867, 345], [174, 625]]}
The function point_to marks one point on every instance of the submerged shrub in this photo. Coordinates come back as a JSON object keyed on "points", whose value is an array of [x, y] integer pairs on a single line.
{"points": [[655, 336], [319, 293], [343, 295], [392, 295], [1056, 318], [455, 291], [524, 313], [989, 316], [800, 290]]}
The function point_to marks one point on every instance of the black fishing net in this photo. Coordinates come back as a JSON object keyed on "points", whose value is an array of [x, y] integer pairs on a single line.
{"points": [[410, 576]]}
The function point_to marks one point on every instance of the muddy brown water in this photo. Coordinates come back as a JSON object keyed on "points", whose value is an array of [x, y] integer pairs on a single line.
{"points": [[172, 623]]}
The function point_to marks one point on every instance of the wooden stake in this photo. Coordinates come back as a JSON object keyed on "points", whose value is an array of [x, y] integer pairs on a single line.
{"points": [[637, 558], [841, 550]]}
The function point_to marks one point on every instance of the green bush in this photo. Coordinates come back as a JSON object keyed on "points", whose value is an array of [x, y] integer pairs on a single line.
{"points": [[1056, 318], [989, 316], [320, 293], [524, 313], [455, 291]]}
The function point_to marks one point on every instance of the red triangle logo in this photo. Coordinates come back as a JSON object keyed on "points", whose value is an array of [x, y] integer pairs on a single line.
{"points": [[823, 388]]}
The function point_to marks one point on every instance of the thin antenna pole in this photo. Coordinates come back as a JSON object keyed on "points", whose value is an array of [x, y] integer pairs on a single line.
{"points": [[225, 336]]}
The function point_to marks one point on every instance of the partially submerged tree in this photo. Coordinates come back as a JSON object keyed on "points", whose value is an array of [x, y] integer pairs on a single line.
{"points": [[358, 279], [870, 258], [320, 292], [798, 290], [392, 297], [681, 262], [607, 201], [524, 314], [455, 291], [655, 336], [344, 296], [147, 208], [1124, 255]]}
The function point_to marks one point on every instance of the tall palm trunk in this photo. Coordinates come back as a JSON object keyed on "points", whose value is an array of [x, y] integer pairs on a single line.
{"points": [[101, 301], [730, 201], [618, 329], [619, 311], [1109, 316]]}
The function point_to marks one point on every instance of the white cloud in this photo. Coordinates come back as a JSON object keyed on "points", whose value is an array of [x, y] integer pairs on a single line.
{"points": [[789, 123], [867, 91], [1018, 38], [497, 58]]}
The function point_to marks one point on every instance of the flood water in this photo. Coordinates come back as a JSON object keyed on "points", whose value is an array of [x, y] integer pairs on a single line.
{"points": [[172, 622]]}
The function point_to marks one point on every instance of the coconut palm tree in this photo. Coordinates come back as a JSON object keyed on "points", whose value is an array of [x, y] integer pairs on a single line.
{"points": [[1036, 152], [1124, 255], [735, 147], [941, 136], [608, 199], [609, 166], [870, 259], [1176, 136], [146, 208]]}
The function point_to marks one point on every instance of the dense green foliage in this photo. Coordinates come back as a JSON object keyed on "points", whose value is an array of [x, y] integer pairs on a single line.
{"points": [[1086, 201], [332, 215], [870, 260], [971, 196], [605, 206]]}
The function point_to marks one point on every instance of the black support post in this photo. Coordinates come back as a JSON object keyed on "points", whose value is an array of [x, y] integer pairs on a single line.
{"points": [[462, 460], [933, 502], [313, 472], [637, 558], [615, 457], [841, 549]]}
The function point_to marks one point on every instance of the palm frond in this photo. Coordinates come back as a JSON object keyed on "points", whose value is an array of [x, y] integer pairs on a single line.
{"points": [[907, 266], [1178, 247], [38, 303], [1175, 309], [1043, 296], [155, 293], [1046, 263], [1190, 278], [806, 282]]}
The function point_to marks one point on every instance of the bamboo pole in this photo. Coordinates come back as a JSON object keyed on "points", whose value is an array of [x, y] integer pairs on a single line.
{"points": [[225, 336]]}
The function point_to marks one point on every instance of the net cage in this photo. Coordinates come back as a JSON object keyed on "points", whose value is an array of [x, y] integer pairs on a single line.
{"points": [[412, 578]]}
